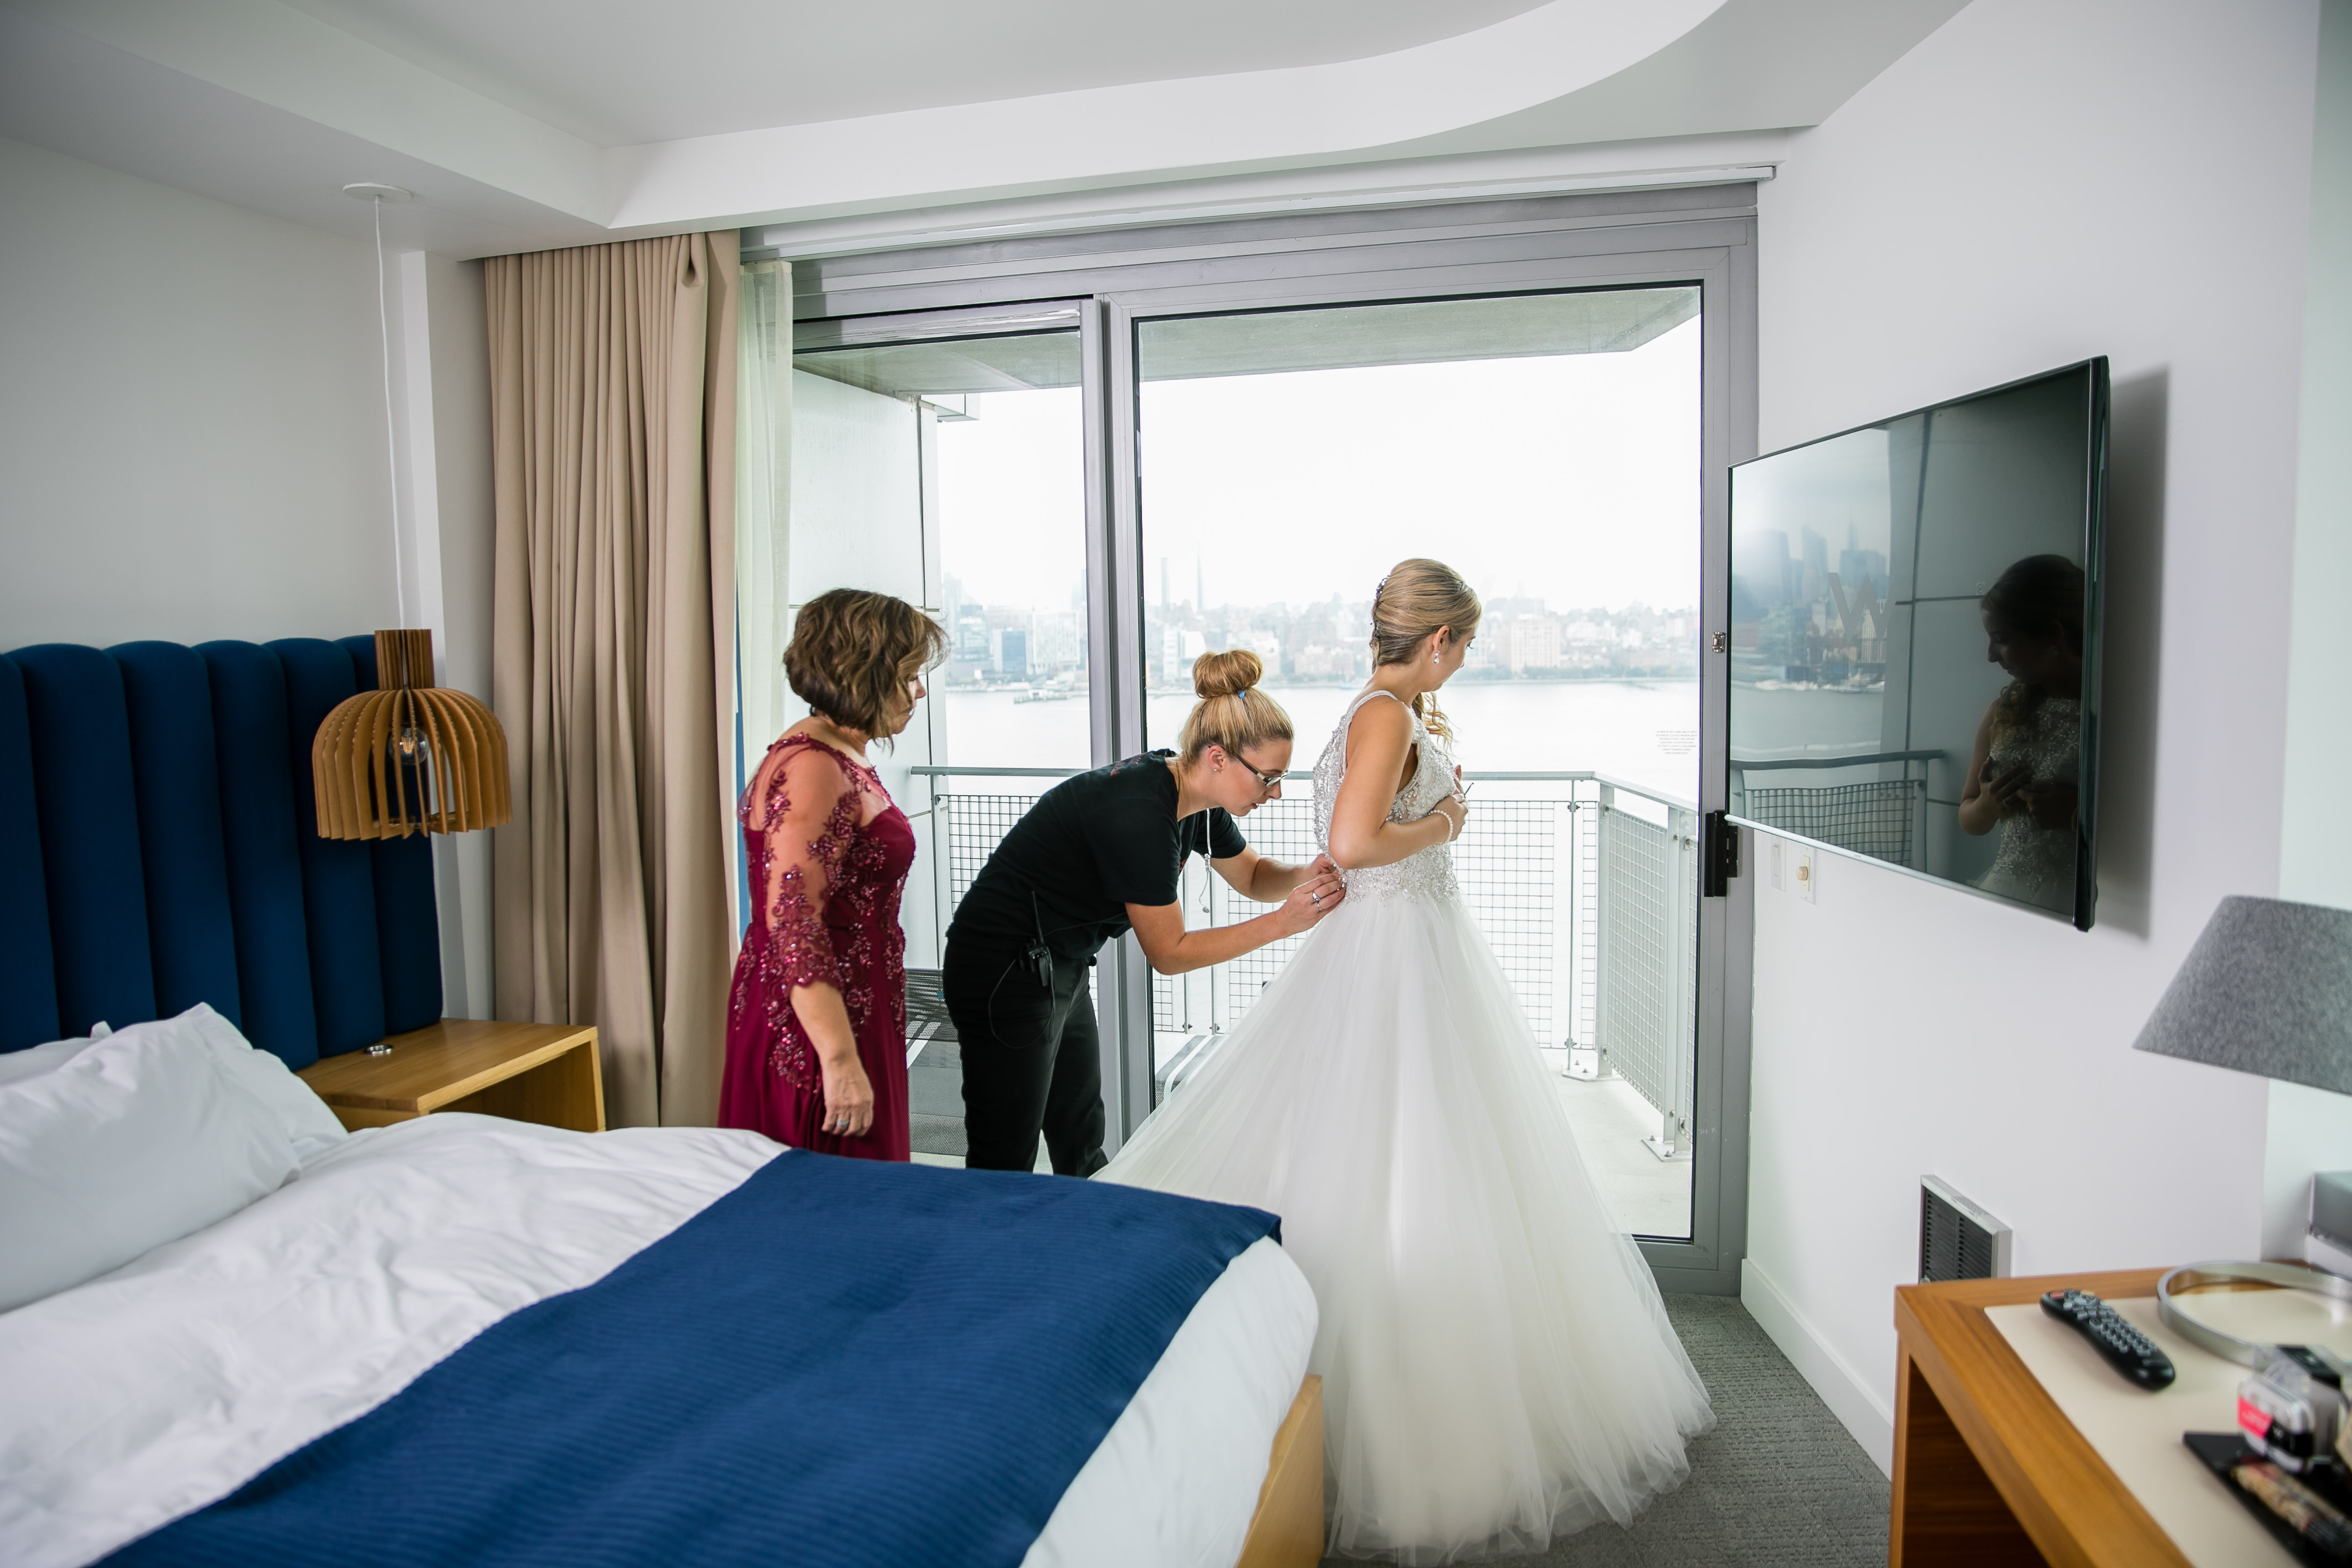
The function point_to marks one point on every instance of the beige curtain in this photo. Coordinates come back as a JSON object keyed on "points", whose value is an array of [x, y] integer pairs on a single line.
{"points": [[612, 392]]}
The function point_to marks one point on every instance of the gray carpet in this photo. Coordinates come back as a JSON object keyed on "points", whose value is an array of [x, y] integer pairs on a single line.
{"points": [[1778, 1484]]}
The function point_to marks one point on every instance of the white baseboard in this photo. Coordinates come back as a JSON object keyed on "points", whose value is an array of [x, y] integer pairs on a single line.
{"points": [[1850, 1398]]}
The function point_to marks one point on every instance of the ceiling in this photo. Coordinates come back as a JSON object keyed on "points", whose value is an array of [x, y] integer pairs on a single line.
{"points": [[617, 72], [524, 124]]}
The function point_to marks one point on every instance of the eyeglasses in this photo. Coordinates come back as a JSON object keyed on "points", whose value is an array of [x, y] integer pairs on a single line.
{"points": [[1267, 783]]}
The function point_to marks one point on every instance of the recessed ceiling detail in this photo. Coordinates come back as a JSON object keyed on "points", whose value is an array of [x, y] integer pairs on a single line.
{"points": [[545, 122]]}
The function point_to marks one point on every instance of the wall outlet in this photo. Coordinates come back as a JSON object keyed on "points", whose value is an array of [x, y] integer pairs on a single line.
{"points": [[1805, 868], [1780, 866]]}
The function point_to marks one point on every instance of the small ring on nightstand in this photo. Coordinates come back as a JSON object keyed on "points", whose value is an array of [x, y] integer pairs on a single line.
{"points": [[2245, 1352]]}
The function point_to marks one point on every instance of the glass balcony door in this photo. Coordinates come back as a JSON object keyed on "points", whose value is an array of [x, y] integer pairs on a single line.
{"points": [[1547, 446], [1633, 951], [943, 458]]}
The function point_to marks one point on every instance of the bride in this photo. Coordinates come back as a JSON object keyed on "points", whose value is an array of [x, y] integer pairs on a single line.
{"points": [[1498, 1366]]}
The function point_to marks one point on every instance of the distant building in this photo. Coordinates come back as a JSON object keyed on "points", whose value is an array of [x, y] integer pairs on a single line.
{"points": [[1267, 644], [1008, 652], [1533, 642], [970, 635], [1056, 643], [1860, 566], [1179, 647], [1325, 661]]}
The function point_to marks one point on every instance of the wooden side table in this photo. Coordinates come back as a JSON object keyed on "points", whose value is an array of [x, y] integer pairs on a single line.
{"points": [[546, 1073], [1988, 1472]]}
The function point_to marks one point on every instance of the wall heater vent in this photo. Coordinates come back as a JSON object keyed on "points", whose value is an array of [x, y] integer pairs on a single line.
{"points": [[1958, 1240]]}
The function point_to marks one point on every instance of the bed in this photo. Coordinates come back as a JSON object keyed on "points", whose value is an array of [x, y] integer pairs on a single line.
{"points": [[467, 1339]]}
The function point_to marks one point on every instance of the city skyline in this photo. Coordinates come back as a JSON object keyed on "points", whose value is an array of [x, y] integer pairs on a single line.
{"points": [[1520, 638]]}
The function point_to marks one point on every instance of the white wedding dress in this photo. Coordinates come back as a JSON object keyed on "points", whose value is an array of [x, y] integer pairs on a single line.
{"points": [[1497, 1367]]}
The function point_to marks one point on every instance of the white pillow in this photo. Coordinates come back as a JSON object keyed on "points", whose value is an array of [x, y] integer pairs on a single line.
{"points": [[307, 1119], [132, 1141], [295, 1105], [32, 1059]]}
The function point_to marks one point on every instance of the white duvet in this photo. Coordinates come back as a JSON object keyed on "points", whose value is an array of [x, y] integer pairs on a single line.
{"points": [[142, 1396]]}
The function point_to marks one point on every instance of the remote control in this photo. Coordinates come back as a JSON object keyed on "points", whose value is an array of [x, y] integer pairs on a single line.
{"points": [[2127, 1350]]}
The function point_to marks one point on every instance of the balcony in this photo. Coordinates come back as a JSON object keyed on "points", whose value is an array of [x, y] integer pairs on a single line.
{"points": [[1586, 887]]}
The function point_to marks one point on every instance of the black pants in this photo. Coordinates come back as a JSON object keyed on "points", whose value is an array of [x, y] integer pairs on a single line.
{"points": [[1032, 1061]]}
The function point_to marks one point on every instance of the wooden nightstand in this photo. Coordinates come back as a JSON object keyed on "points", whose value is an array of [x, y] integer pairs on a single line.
{"points": [[546, 1073]]}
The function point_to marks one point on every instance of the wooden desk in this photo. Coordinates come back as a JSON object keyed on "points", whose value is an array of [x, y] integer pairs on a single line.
{"points": [[546, 1073], [1988, 1471]]}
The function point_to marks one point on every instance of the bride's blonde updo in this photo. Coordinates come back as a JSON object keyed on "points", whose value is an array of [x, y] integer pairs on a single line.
{"points": [[1417, 597], [1233, 712]]}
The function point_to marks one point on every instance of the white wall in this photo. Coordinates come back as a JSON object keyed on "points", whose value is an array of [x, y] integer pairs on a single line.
{"points": [[191, 416], [2038, 182], [863, 484], [2310, 1128], [441, 384], [191, 435]]}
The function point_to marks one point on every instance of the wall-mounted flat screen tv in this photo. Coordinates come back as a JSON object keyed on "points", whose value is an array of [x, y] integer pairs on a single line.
{"points": [[1915, 640]]}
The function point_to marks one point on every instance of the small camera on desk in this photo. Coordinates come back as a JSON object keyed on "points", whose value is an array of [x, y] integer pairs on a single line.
{"points": [[2287, 1460], [2292, 1409]]}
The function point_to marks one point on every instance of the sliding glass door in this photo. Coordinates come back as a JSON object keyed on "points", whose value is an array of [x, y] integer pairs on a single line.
{"points": [[943, 460], [1221, 436], [1546, 446]]}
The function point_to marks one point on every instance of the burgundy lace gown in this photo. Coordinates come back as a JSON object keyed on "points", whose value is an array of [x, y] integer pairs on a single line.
{"points": [[829, 854]]}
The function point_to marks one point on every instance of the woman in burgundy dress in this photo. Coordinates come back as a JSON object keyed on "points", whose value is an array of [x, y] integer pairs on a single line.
{"points": [[816, 1023]]}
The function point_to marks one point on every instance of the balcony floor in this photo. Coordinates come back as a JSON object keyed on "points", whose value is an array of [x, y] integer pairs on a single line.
{"points": [[1650, 1197]]}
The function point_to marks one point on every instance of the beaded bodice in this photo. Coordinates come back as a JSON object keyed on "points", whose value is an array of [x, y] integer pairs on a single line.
{"points": [[2032, 859], [1428, 873]]}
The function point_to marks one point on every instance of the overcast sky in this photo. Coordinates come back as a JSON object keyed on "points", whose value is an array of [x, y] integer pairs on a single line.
{"points": [[1573, 479]]}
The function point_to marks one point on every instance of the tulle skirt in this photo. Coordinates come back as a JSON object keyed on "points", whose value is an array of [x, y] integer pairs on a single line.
{"points": [[1498, 1366]]}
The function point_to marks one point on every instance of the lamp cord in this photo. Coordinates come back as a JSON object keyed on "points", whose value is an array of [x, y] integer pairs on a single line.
{"points": [[391, 449]]}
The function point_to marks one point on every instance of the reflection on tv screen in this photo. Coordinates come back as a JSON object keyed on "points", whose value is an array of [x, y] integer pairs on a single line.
{"points": [[1915, 639]]}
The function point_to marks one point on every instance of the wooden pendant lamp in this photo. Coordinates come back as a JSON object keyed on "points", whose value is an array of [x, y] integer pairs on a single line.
{"points": [[409, 756]]}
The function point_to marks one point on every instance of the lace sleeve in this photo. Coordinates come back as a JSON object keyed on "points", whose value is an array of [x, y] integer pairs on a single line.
{"points": [[810, 823]]}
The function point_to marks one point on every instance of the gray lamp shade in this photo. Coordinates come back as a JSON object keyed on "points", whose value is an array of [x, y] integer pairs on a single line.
{"points": [[2267, 990]]}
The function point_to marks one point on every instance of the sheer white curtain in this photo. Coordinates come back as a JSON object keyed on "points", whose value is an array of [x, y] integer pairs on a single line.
{"points": [[763, 490]]}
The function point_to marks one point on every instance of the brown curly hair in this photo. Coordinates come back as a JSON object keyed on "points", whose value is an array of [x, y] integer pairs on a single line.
{"points": [[853, 653]]}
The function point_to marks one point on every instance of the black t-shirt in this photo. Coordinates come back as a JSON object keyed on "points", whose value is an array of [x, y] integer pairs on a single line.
{"points": [[1090, 846]]}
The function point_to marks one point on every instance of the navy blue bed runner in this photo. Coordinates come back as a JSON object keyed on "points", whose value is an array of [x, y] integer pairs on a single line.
{"points": [[840, 1362]]}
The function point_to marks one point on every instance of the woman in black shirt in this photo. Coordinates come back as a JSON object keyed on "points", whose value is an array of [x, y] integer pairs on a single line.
{"points": [[1097, 856]]}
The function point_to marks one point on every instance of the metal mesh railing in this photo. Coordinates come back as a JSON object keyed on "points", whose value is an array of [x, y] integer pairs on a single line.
{"points": [[1878, 818], [1507, 863], [976, 824], [1646, 931], [1591, 908], [1284, 829]]}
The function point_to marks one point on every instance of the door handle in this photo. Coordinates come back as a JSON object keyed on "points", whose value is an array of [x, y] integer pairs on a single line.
{"points": [[1718, 854]]}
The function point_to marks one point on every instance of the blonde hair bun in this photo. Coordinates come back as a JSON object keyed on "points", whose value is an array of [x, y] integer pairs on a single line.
{"points": [[1232, 712], [1226, 674]]}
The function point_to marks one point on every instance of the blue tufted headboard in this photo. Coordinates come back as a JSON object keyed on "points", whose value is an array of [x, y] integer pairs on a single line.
{"points": [[159, 849]]}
